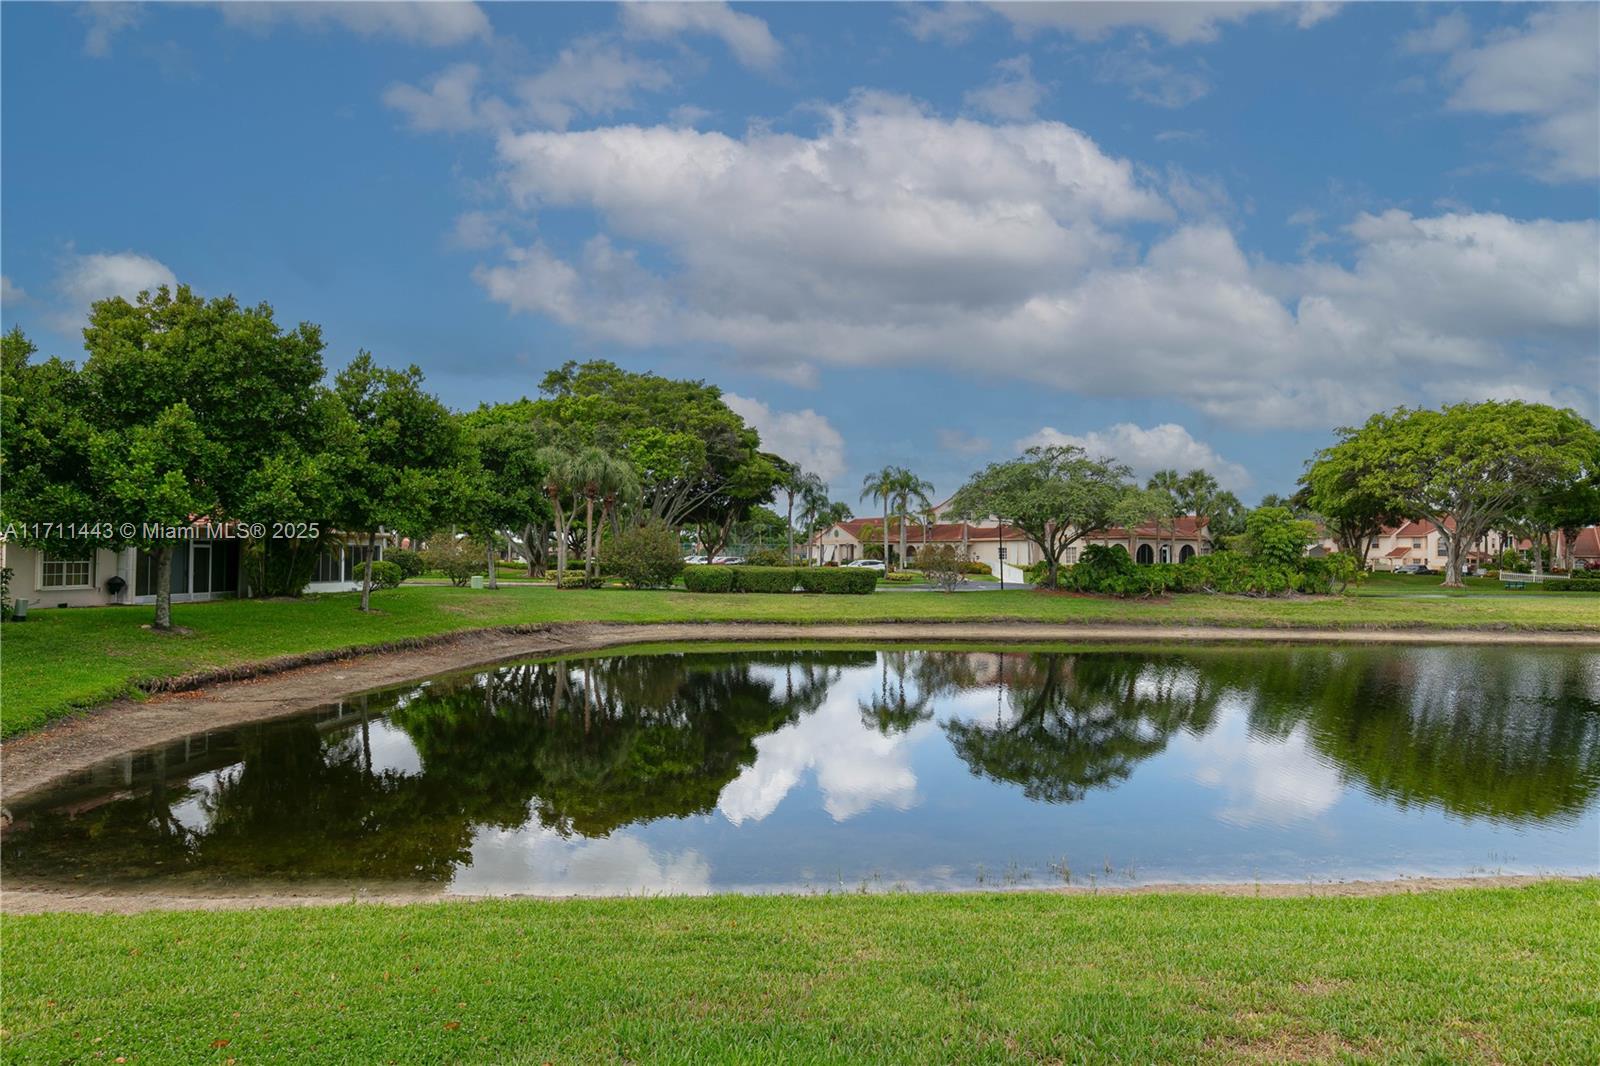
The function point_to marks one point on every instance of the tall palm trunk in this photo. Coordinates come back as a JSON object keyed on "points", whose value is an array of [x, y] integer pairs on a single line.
{"points": [[788, 529], [886, 531], [588, 536]]}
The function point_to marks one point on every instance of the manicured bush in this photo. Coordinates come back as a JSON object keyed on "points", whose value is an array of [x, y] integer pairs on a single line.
{"points": [[902, 577], [764, 578], [766, 557], [575, 579], [1576, 584], [385, 574], [972, 566], [1100, 568], [708, 578], [944, 567], [644, 556], [843, 580], [457, 559], [409, 562], [778, 579]]}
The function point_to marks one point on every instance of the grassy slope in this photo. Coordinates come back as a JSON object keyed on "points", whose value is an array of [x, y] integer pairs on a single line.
{"points": [[1485, 975], [63, 659]]}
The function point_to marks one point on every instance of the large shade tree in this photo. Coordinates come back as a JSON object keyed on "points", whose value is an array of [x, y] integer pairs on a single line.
{"points": [[1467, 467], [186, 411], [410, 450], [1054, 495]]}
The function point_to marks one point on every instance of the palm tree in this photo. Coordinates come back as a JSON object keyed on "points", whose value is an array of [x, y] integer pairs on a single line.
{"points": [[560, 479], [813, 501], [908, 487], [1170, 484], [1199, 495], [807, 487], [598, 476], [882, 485]]}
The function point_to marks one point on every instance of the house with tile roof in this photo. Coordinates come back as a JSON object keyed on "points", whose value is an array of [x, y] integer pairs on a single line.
{"points": [[991, 541]]}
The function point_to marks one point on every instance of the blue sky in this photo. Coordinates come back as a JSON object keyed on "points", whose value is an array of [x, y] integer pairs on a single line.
{"points": [[1185, 234]]}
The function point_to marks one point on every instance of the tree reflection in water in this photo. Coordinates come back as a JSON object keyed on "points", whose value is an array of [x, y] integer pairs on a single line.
{"points": [[582, 747]]}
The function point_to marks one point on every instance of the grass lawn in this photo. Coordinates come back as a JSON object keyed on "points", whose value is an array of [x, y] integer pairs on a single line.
{"points": [[1478, 975], [61, 659]]}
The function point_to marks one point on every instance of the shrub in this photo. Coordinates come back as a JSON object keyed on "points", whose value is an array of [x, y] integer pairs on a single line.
{"points": [[1576, 584], [944, 566], [385, 574], [6, 606], [1101, 568], [767, 557], [840, 581], [708, 578], [644, 556], [972, 566], [575, 579], [1240, 575], [763, 578], [409, 562], [902, 577], [456, 559]]}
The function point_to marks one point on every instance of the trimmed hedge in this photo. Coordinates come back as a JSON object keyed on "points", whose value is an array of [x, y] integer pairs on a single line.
{"points": [[844, 580], [578, 581], [1575, 584], [708, 578], [764, 578], [777, 579]]}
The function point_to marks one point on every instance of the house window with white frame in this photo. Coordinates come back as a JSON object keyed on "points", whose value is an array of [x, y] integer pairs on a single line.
{"points": [[63, 573]]}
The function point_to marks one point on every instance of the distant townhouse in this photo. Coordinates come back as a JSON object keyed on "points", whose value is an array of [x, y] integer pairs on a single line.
{"points": [[205, 566], [1419, 542], [991, 540]]}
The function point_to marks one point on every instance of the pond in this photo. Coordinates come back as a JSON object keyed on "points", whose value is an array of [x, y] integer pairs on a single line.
{"points": [[839, 768]]}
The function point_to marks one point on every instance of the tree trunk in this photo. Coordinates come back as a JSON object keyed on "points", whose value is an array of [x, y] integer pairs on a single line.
{"points": [[886, 565], [561, 545], [788, 529], [1452, 566], [527, 548], [588, 536], [494, 563], [902, 560], [1538, 555], [162, 554], [366, 581]]}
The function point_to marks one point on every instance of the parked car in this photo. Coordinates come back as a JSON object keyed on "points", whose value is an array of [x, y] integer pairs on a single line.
{"points": [[1414, 568], [696, 560], [867, 564], [728, 560]]}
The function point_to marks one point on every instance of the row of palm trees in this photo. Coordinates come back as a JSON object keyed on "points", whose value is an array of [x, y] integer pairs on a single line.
{"points": [[898, 488], [584, 478]]}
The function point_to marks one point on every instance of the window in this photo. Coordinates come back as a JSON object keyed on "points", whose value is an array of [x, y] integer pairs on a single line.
{"points": [[1443, 551], [66, 573], [1145, 555], [328, 566], [1186, 553], [1416, 544]]}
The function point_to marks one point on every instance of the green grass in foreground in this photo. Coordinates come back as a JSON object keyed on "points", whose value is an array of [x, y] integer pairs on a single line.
{"points": [[1480, 975], [62, 659]]}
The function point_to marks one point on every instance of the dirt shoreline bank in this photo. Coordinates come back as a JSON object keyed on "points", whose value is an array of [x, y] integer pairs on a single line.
{"points": [[44, 898], [274, 688]]}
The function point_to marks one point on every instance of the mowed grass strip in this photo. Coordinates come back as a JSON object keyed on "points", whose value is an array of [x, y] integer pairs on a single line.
{"points": [[1477, 975], [64, 659]]}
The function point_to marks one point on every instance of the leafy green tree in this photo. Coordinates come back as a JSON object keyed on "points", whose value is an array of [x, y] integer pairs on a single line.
{"points": [[1356, 517], [410, 454], [1466, 467], [1274, 535], [193, 404], [507, 479], [1056, 496], [693, 456]]}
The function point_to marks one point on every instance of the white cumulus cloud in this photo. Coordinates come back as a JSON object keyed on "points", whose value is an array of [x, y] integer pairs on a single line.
{"points": [[803, 437], [1013, 94], [86, 278], [747, 36], [435, 23], [1180, 21], [1147, 450]]}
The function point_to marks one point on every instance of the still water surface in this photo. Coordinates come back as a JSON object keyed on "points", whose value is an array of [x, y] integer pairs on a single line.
{"points": [[841, 769]]}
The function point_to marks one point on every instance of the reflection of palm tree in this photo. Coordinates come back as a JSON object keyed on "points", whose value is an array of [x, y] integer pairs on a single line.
{"points": [[891, 710]]}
